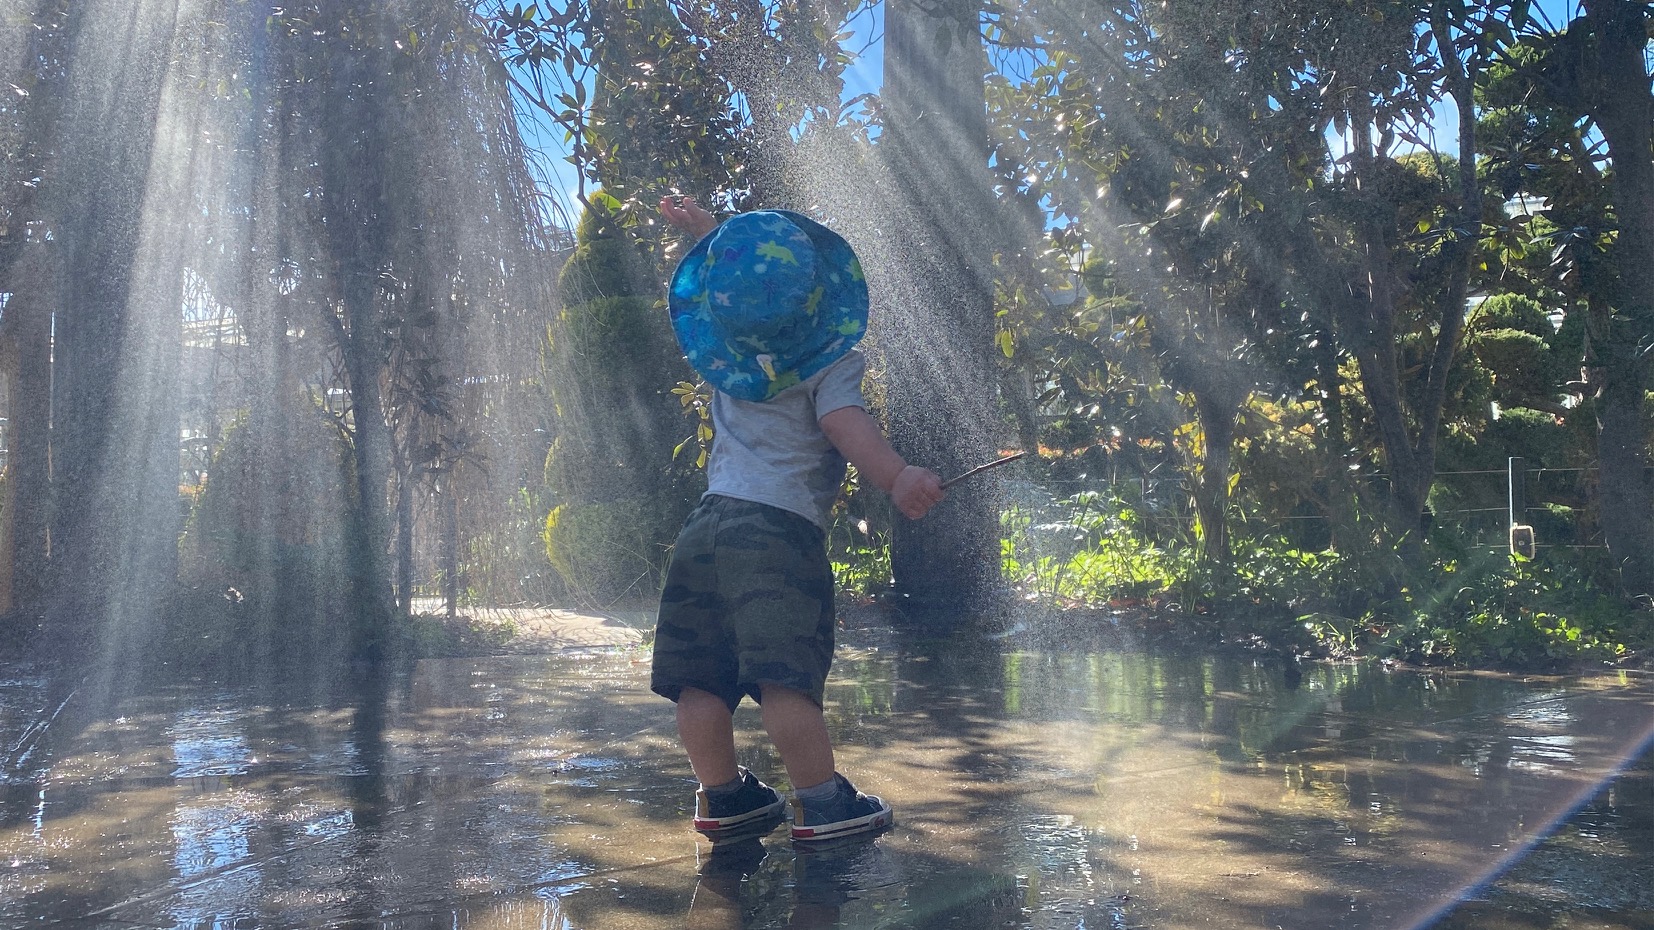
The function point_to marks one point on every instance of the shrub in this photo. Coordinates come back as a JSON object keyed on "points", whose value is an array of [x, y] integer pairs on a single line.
{"points": [[1491, 609], [1090, 547], [609, 550], [269, 535], [612, 362]]}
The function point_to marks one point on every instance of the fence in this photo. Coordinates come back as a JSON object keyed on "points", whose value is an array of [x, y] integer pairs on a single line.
{"points": [[1517, 507]]}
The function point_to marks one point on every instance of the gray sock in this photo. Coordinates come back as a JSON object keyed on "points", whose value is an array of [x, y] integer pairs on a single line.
{"points": [[825, 791], [728, 787]]}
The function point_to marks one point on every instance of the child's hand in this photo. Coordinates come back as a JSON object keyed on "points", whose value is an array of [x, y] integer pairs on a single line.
{"points": [[683, 212], [916, 491]]}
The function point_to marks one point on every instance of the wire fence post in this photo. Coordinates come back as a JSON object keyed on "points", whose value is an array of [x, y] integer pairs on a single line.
{"points": [[1522, 542]]}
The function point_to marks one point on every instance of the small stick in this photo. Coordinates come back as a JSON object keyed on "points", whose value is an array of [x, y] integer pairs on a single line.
{"points": [[982, 468]]}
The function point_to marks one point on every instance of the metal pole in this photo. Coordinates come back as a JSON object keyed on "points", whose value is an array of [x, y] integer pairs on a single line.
{"points": [[1522, 541]]}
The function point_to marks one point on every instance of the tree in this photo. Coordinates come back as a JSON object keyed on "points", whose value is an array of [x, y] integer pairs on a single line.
{"points": [[1614, 85], [345, 183], [116, 325], [936, 327], [1597, 230], [1210, 120], [27, 277], [741, 104]]}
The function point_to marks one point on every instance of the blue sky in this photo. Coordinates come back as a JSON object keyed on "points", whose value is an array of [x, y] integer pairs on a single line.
{"points": [[866, 76]]}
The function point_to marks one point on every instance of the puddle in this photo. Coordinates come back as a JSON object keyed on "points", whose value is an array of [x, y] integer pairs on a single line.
{"points": [[1034, 788]]}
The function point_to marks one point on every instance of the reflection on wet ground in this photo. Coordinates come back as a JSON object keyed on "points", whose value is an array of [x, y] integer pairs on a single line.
{"points": [[1034, 788]]}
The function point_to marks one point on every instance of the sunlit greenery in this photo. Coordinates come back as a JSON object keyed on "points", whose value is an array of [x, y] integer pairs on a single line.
{"points": [[1271, 337]]}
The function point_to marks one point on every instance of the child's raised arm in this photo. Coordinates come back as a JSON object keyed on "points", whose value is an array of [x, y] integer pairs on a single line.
{"points": [[857, 436]]}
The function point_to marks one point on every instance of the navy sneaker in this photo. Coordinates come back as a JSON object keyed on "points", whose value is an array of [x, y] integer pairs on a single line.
{"points": [[754, 808], [848, 813]]}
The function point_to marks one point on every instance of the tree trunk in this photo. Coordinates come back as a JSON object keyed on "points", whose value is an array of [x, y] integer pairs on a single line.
{"points": [[375, 598], [404, 544], [937, 331], [1217, 412], [1622, 437], [27, 274], [1624, 108], [357, 228], [448, 502], [28, 329]]}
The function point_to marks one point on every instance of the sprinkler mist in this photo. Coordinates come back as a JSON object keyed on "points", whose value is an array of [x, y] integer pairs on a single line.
{"points": [[309, 248]]}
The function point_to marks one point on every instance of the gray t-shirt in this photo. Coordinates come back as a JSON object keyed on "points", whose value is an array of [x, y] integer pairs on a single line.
{"points": [[774, 452]]}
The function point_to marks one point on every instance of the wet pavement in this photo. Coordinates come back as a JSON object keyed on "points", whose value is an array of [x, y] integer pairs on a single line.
{"points": [[1071, 786]]}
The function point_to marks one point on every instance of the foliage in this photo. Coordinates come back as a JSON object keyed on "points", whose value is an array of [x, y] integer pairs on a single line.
{"points": [[505, 559], [1278, 466], [270, 534], [610, 550], [1235, 274], [1567, 113], [612, 363], [676, 95], [1188, 144], [1511, 337], [1091, 547], [858, 542], [1497, 610], [1479, 608]]}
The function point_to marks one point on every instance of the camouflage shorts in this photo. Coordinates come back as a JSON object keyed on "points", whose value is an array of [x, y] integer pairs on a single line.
{"points": [[748, 601]]}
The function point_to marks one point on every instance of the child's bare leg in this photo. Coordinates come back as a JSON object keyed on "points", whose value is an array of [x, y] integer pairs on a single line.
{"points": [[707, 730], [798, 729]]}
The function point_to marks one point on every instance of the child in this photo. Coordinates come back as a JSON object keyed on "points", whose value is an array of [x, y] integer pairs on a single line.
{"points": [[768, 308]]}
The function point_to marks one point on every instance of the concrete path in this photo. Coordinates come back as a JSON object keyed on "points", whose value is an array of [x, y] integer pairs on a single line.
{"points": [[1053, 788], [538, 630]]}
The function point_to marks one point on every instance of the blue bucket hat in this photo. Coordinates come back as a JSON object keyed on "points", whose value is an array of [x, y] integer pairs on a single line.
{"points": [[766, 300]]}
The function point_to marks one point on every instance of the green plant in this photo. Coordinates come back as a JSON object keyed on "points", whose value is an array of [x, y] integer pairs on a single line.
{"points": [[858, 542], [610, 550], [1493, 609], [1088, 548], [610, 368], [505, 557], [267, 549]]}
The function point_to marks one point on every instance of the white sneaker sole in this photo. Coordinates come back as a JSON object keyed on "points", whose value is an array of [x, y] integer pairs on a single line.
{"points": [[878, 820], [716, 825]]}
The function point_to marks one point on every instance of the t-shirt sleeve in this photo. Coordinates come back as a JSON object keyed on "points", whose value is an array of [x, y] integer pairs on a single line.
{"points": [[840, 385]]}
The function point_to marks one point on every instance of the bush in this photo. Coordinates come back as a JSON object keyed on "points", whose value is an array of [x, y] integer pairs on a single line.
{"points": [[858, 542], [1091, 547], [1533, 434], [611, 550], [610, 367], [267, 543], [1492, 609], [1511, 336]]}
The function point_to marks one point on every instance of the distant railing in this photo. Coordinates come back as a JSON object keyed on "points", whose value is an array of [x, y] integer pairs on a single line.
{"points": [[1545, 501]]}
